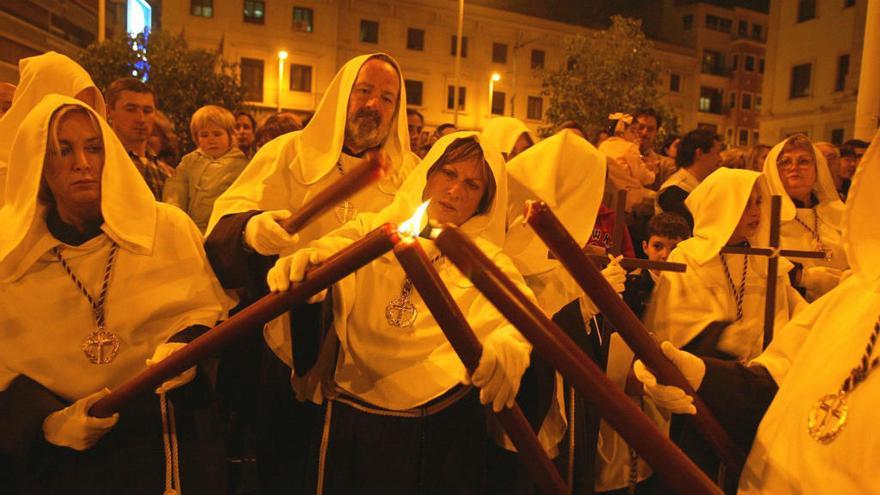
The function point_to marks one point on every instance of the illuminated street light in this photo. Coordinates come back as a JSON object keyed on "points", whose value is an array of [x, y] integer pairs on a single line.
{"points": [[282, 56], [495, 77]]}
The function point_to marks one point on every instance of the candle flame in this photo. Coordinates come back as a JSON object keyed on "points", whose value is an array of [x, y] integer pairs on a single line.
{"points": [[413, 226]]}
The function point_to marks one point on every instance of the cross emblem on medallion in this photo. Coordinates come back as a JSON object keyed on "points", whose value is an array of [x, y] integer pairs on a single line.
{"points": [[827, 417], [345, 212], [401, 313], [100, 347]]}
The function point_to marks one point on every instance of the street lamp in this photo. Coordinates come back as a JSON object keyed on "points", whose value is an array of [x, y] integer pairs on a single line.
{"points": [[282, 56], [492, 80]]}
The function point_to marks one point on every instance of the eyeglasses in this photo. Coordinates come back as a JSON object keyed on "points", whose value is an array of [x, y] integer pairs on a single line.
{"points": [[787, 163]]}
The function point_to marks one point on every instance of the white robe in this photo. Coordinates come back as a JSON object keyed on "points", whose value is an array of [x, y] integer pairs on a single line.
{"points": [[627, 171]]}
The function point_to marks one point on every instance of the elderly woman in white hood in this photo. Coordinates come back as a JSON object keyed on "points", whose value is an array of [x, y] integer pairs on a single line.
{"points": [[97, 281], [399, 418], [49, 73], [811, 212], [812, 395], [509, 135]]}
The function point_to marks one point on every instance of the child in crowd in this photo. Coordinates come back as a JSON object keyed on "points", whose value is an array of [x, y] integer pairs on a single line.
{"points": [[665, 231], [209, 170]]}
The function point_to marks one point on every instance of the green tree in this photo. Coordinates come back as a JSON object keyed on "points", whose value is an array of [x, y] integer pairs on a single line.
{"points": [[605, 71], [183, 79]]}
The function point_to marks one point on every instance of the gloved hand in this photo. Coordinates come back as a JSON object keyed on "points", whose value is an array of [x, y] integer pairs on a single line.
{"points": [[504, 360], [265, 236], [72, 426], [820, 279], [162, 352], [293, 268], [670, 398], [615, 274]]}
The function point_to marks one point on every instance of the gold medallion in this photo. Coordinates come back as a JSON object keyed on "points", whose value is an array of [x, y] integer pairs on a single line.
{"points": [[401, 313], [345, 212], [100, 347], [827, 417]]}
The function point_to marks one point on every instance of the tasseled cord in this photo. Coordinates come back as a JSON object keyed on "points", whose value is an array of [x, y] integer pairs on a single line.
{"points": [[169, 439]]}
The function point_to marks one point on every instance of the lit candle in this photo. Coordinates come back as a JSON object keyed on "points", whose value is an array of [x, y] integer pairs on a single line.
{"points": [[626, 323], [677, 470], [454, 325], [337, 267], [369, 170]]}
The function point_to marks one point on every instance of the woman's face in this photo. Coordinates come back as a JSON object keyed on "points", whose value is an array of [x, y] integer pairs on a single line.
{"points": [[244, 132], [73, 174], [797, 170], [455, 190], [750, 220]]}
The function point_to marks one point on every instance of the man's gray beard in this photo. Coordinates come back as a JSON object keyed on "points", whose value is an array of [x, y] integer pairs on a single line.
{"points": [[363, 136]]}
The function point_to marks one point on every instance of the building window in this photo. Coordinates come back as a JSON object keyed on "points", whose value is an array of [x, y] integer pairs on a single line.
{"points": [[758, 32], [848, 3], [254, 11], [732, 103], [303, 19], [536, 108], [743, 137], [734, 60], [301, 78], [498, 98], [201, 8], [837, 136], [415, 39], [369, 31], [749, 63], [674, 83], [711, 100], [806, 10], [755, 139], [464, 40], [718, 23], [537, 59], [800, 81], [499, 53], [761, 65], [252, 79], [757, 103], [450, 97], [742, 28], [713, 63], [413, 92], [842, 72], [746, 101], [687, 22]]}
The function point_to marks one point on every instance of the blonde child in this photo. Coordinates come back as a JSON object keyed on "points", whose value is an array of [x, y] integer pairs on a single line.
{"points": [[209, 170]]}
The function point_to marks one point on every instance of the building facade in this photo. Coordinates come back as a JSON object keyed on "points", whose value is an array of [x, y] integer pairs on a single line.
{"points": [[814, 54]]}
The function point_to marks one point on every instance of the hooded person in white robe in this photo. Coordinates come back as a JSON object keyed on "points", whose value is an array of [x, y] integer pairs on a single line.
{"points": [[812, 212], [568, 174], [49, 73], [810, 359], [81, 221], [401, 381], [509, 135], [626, 169], [363, 108]]}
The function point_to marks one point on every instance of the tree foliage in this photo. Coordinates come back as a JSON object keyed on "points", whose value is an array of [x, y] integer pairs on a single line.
{"points": [[183, 79], [605, 71]]}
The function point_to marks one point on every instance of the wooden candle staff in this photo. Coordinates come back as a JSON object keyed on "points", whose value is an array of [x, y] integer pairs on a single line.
{"points": [[337, 267], [565, 249], [459, 333], [676, 469]]}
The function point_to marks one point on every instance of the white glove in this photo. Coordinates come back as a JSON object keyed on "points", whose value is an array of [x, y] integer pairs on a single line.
{"points": [[73, 427], [293, 268], [615, 274], [265, 236], [668, 397], [820, 279], [504, 360], [162, 352]]}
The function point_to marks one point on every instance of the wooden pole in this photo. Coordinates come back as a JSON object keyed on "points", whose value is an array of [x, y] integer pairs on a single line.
{"points": [[565, 249], [772, 270], [252, 318], [676, 469]]}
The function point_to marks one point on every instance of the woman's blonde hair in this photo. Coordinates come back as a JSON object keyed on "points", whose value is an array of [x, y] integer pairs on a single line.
{"points": [[211, 114]]}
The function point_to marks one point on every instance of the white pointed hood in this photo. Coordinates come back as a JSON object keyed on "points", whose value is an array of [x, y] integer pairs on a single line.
{"points": [[717, 205], [823, 188], [861, 235], [567, 173], [127, 204], [501, 133]]}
